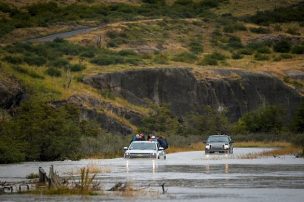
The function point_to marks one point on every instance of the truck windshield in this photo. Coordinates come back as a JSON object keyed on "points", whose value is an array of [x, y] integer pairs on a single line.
{"points": [[142, 146], [218, 139]]}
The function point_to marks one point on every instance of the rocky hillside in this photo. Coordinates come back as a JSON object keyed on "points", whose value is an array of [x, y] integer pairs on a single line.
{"points": [[236, 91]]}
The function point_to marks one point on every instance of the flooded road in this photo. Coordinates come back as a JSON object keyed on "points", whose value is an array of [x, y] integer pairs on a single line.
{"points": [[190, 176]]}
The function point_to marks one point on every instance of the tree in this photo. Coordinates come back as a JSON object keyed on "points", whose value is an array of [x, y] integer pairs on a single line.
{"points": [[297, 124], [265, 119]]}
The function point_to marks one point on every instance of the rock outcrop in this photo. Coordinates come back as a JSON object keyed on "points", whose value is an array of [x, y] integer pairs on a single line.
{"points": [[237, 91], [92, 108]]}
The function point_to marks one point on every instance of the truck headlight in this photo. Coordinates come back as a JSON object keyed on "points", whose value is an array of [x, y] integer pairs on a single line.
{"points": [[226, 146], [207, 146]]}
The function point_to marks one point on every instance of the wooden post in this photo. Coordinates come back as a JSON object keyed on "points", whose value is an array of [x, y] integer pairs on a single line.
{"points": [[42, 175]]}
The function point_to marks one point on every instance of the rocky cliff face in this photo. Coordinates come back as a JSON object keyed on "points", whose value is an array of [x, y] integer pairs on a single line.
{"points": [[236, 91], [11, 92], [92, 108]]}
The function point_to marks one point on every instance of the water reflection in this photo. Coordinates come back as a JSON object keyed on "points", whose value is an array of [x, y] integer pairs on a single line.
{"points": [[226, 168], [135, 164], [217, 168], [127, 166], [153, 166]]}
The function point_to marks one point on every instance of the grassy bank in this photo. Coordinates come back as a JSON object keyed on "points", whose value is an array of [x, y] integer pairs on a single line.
{"points": [[283, 147]]}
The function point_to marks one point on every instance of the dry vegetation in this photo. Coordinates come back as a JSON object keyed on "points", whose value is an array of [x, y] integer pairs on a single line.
{"points": [[247, 7], [276, 153]]}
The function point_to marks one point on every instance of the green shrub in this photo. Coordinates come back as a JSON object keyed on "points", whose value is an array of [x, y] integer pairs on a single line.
{"points": [[265, 119], [282, 46], [41, 132], [258, 45], [32, 59], [237, 56], [208, 121], [212, 59], [13, 59], [263, 49], [277, 27], [196, 47], [298, 49], [234, 27], [185, 57], [54, 72], [160, 120], [260, 30], [298, 140], [59, 63], [117, 42], [293, 31], [160, 59], [210, 3], [108, 60], [285, 56], [88, 54], [234, 43], [127, 53], [77, 67], [284, 14], [260, 56], [29, 72], [11, 150], [246, 51], [297, 124]]}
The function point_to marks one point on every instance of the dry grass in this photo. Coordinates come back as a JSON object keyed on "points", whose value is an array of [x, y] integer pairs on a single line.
{"points": [[193, 147], [110, 155], [289, 150], [262, 144], [22, 3], [249, 7], [93, 168], [200, 146], [84, 186]]}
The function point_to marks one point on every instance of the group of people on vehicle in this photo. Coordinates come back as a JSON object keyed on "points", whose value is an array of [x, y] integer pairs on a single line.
{"points": [[161, 141]]}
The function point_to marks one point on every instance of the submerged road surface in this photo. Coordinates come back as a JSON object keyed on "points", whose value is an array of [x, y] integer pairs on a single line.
{"points": [[188, 176]]}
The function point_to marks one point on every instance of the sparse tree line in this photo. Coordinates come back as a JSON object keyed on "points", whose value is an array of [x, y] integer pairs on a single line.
{"points": [[38, 131]]}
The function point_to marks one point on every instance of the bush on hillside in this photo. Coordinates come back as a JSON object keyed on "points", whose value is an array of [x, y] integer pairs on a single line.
{"points": [[298, 49], [186, 57], [260, 30], [40, 132], [13, 59], [77, 67], [265, 119], [54, 72], [261, 57], [278, 15], [26, 71], [297, 124], [282, 46], [196, 46], [213, 59]]}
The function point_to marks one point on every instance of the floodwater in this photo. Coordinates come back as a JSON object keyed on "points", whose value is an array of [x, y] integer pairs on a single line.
{"points": [[188, 176]]}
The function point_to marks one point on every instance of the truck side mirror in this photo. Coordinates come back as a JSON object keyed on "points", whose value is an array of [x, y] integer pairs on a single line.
{"points": [[125, 148], [160, 148]]}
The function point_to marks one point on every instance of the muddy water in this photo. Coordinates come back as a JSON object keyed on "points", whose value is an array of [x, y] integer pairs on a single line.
{"points": [[190, 176]]}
